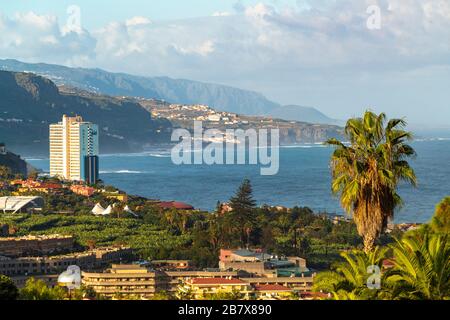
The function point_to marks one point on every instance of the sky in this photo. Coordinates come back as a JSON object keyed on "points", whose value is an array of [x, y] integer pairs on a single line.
{"points": [[340, 56]]}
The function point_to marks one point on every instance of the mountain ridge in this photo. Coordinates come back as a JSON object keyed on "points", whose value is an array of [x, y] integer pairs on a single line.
{"points": [[299, 113], [182, 91], [222, 97]]}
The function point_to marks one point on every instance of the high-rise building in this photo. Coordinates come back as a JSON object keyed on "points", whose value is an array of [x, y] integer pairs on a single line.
{"points": [[74, 150]]}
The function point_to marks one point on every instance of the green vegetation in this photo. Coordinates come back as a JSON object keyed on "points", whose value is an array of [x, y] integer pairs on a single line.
{"points": [[193, 235], [5, 173], [367, 173], [8, 290], [420, 271], [421, 268], [441, 220], [222, 295], [148, 240], [349, 279], [242, 214], [38, 290]]}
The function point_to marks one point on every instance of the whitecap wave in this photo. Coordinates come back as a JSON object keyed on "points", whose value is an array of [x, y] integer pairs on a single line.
{"points": [[122, 172], [431, 139], [304, 146], [159, 155]]}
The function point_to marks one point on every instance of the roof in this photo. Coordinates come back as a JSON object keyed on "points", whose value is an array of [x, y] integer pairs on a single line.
{"points": [[36, 237], [175, 205], [49, 186], [208, 281], [81, 187], [272, 287], [244, 253], [15, 204]]}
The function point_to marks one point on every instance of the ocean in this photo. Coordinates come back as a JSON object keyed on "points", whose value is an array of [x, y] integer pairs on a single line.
{"points": [[303, 179]]}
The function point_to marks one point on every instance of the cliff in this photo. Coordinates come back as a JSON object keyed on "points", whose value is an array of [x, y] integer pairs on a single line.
{"points": [[30, 103]]}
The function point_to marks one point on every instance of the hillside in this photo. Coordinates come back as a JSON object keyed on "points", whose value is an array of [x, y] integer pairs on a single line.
{"points": [[15, 163], [221, 97], [303, 114], [29, 103]]}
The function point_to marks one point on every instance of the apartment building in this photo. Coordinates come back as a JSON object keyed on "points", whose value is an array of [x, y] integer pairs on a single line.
{"points": [[35, 245], [74, 150], [124, 281], [262, 264], [140, 281], [48, 265], [203, 287], [175, 279]]}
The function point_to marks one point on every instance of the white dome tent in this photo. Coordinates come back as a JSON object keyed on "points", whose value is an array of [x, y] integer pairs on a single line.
{"points": [[107, 211], [98, 210]]}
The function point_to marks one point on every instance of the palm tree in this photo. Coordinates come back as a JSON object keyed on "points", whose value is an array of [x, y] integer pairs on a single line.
{"points": [[349, 280], [421, 268], [367, 172]]}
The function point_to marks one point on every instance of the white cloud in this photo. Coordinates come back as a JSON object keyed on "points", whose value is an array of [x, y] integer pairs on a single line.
{"points": [[259, 11], [203, 49], [32, 37], [281, 52], [135, 21]]}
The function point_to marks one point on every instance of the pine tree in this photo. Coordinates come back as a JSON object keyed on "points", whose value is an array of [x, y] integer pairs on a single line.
{"points": [[243, 206]]}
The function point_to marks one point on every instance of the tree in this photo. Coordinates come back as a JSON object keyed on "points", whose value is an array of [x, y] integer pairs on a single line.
{"points": [[184, 293], [367, 172], [8, 290], [243, 206], [421, 268], [349, 279], [5, 173], [162, 295], [441, 219], [33, 175], [38, 290], [223, 295]]}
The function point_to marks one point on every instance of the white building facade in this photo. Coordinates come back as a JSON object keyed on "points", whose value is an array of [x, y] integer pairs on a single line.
{"points": [[74, 149]]}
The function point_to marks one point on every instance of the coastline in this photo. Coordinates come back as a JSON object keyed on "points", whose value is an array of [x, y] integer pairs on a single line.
{"points": [[303, 179]]}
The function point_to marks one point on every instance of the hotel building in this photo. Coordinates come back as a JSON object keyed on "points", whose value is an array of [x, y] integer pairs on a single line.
{"points": [[140, 281], [74, 150], [41, 245]]}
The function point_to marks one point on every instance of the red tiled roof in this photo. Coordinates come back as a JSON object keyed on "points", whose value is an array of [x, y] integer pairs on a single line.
{"points": [[50, 186], [176, 205], [206, 281], [271, 287]]}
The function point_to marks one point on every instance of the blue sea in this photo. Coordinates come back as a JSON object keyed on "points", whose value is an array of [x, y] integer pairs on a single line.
{"points": [[303, 179]]}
